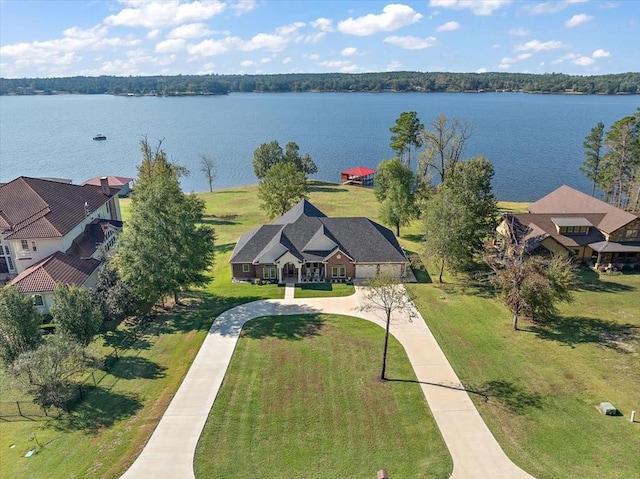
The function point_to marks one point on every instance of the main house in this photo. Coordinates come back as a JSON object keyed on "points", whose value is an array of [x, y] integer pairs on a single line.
{"points": [[55, 233], [305, 245], [568, 221]]}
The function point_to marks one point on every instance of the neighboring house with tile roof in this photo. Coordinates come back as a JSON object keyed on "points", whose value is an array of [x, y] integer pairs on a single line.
{"points": [[567, 221], [55, 233], [123, 183], [305, 245]]}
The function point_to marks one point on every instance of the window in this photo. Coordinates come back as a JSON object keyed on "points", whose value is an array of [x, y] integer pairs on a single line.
{"points": [[269, 272], [33, 246], [10, 262], [246, 268], [577, 230], [6, 250], [24, 245], [631, 234], [338, 271], [37, 300]]}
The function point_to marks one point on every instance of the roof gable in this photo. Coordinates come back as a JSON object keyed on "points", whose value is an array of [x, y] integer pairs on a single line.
{"points": [[569, 201], [303, 208]]}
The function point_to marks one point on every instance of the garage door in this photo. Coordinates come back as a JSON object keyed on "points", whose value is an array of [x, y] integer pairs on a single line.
{"points": [[366, 271]]}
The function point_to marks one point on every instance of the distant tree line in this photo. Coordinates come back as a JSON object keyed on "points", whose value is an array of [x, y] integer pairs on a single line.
{"points": [[177, 85]]}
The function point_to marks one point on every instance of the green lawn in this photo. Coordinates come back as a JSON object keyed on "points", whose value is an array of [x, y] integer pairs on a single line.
{"points": [[301, 399], [321, 290], [542, 384]]}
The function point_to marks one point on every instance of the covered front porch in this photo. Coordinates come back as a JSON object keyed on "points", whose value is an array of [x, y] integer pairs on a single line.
{"points": [[291, 272], [609, 254]]}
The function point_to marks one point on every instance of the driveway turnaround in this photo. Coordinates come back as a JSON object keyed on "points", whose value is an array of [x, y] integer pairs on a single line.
{"points": [[170, 451]]}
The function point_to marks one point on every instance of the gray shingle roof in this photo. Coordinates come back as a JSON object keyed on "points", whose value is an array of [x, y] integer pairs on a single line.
{"points": [[360, 238]]}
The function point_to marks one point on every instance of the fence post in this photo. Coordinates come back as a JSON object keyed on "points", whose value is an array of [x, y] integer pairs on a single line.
{"points": [[19, 410], [94, 378]]}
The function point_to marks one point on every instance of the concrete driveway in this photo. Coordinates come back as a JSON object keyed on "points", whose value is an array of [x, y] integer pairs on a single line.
{"points": [[170, 451]]}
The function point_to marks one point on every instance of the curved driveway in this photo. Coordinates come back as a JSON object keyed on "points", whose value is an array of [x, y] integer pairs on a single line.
{"points": [[170, 451]]}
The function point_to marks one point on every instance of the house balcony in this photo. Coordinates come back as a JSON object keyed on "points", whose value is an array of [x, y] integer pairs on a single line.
{"points": [[24, 254]]}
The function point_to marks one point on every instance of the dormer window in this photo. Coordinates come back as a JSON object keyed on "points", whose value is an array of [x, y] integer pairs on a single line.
{"points": [[24, 245], [572, 225]]}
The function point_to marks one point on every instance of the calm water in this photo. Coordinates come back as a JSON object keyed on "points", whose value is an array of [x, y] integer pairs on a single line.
{"points": [[534, 141]]}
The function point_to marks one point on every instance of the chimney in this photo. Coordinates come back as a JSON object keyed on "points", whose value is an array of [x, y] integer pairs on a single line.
{"points": [[104, 185]]}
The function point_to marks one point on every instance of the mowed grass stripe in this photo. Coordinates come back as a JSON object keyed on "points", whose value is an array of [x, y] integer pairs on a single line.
{"points": [[301, 399]]}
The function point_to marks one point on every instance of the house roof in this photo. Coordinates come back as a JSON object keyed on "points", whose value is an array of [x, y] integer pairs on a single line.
{"points": [[57, 268], [360, 238], [568, 201], [535, 228], [612, 247], [359, 171], [94, 234], [37, 208], [112, 180]]}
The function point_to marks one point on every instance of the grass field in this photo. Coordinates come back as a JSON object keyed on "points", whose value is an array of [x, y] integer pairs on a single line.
{"points": [[541, 384], [313, 408]]}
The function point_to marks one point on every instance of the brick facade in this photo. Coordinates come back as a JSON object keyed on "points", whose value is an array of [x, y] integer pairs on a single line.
{"points": [[342, 261]]}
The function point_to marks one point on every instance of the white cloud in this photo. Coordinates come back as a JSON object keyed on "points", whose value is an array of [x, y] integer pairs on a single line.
{"points": [[311, 56], [448, 27], [343, 66], [287, 60], [519, 32], [207, 69], [265, 60], [481, 70], [569, 56], [394, 66], [290, 29], [153, 34], [577, 20], [190, 30], [247, 63], [314, 37], [393, 17], [411, 43], [346, 52], [583, 61], [600, 53], [266, 41], [538, 46], [158, 14], [171, 46], [478, 7], [243, 6], [323, 24], [209, 48], [507, 62], [551, 6]]}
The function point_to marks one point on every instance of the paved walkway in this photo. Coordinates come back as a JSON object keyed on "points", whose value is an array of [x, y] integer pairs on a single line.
{"points": [[170, 451]]}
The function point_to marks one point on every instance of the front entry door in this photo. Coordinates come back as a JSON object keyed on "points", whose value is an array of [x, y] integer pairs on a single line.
{"points": [[290, 269]]}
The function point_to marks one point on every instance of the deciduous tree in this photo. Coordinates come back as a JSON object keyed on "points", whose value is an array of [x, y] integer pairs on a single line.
{"points": [[19, 324], [48, 372], [209, 167], [282, 187], [406, 135], [75, 315], [394, 188], [387, 294], [112, 296], [443, 146], [269, 154]]}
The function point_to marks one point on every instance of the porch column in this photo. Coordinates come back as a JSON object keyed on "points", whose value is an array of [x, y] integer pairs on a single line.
{"points": [[300, 273], [279, 274]]}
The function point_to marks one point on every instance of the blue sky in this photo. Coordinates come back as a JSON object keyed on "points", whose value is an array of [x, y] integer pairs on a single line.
{"points": [[149, 37]]}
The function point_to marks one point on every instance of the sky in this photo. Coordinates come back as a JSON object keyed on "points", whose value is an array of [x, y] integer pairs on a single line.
{"points": [[55, 38]]}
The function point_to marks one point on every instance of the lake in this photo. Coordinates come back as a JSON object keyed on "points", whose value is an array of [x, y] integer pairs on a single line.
{"points": [[534, 141]]}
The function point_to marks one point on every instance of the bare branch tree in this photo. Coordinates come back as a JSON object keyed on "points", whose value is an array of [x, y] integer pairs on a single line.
{"points": [[388, 294], [209, 166]]}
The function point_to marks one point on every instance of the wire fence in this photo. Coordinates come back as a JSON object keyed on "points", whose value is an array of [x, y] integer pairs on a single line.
{"points": [[21, 409]]}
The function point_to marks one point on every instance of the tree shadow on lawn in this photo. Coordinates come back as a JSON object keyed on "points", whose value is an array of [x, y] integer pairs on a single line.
{"points": [[591, 281], [125, 339], [223, 248], [315, 286], [133, 367], [283, 327], [219, 220], [320, 187], [507, 393], [100, 408], [573, 330]]}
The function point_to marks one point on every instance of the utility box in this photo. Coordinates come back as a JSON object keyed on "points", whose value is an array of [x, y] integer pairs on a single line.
{"points": [[608, 409]]}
